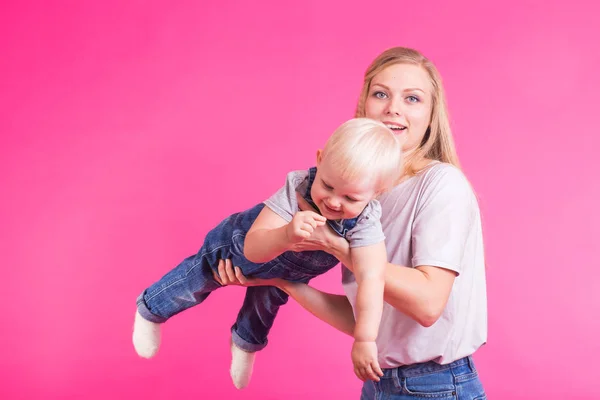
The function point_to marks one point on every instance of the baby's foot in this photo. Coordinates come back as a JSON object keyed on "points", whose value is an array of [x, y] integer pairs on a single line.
{"points": [[146, 336], [242, 364]]}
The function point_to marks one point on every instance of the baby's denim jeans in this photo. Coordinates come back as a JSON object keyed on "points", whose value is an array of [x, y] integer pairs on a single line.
{"points": [[192, 280]]}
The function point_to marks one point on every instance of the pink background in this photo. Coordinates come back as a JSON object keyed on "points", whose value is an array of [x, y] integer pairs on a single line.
{"points": [[128, 129]]}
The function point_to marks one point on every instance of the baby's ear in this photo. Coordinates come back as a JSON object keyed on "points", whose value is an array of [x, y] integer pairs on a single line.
{"points": [[383, 189], [319, 156]]}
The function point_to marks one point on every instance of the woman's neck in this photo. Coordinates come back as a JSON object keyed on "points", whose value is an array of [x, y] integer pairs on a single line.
{"points": [[414, 166]]}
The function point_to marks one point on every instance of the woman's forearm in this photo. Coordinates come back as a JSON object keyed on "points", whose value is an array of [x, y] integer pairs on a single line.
{"points": [[331, 308], [421, 293]]}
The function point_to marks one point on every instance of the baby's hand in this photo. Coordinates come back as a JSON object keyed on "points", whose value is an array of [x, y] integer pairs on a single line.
{"points": [[364, 358], [303, 225]]}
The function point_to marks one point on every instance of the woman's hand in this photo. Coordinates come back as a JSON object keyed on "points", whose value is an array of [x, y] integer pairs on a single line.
{"points": [[230, 275]]}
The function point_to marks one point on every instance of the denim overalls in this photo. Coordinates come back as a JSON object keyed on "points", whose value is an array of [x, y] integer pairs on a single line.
{"points": [[192, 280]]}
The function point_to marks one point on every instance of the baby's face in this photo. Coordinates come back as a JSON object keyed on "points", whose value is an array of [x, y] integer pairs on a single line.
{"points": [[338, 198]]}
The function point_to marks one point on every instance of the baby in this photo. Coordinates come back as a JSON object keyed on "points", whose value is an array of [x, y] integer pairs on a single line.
{"points": [[362, 159]]}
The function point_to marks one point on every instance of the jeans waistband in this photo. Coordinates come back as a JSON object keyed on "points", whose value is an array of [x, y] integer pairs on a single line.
{"points": [[428, 367]]}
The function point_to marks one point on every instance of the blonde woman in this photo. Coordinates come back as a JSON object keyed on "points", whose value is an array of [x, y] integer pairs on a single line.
{"points": [[360, 160], [435, 311]]}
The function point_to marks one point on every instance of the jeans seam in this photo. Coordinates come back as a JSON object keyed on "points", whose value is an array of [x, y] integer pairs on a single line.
{"points": [[466, 377], [445, 393], [304, 271]]}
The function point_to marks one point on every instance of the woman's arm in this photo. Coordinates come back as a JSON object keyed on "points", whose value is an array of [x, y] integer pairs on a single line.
{"points": [[421, 292], [331, 308], [334, 309]]}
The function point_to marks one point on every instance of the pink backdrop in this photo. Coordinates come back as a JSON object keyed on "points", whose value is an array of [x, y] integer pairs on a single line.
{"points": [[128, 129]]}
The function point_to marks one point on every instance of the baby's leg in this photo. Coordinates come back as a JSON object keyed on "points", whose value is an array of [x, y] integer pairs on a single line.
{"points": [[183, 287], [249, 333]]}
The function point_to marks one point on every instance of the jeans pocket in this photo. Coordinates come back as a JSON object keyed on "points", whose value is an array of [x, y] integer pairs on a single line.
{"points": [[469, 385], [438, 385]]}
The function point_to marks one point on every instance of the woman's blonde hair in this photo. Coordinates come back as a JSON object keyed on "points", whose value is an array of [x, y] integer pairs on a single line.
{"points": [[362, 148], [437, 143]]}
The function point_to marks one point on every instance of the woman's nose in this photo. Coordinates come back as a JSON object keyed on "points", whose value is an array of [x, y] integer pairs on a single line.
{"points": [[394, 107]]}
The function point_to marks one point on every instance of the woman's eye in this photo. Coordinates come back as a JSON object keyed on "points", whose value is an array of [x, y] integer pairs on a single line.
{"points": [[380, 95], [413, 99]]}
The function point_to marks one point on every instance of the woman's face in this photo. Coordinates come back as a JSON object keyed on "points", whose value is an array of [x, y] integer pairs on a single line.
{"points": [[400, 96]]}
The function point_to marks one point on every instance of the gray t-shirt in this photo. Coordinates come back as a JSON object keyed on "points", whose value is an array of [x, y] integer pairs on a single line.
{"points": [[367, 230], [433, 219]]}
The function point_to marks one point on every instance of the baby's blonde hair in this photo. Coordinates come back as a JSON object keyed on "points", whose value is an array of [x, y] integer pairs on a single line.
{"points": [[362, 148]]}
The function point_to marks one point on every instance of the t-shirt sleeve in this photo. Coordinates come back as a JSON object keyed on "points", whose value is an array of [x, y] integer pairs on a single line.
{"points": [[367, 230], [283, 202], [443, 221]]}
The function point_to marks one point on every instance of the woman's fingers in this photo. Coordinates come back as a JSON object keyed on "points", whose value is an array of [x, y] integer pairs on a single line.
{"points": [[240, 276], [229, 271], [226, 274], [222, 276]]}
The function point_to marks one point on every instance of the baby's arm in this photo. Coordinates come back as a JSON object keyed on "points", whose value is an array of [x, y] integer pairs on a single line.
{"points": [[270, 234], [369, 266]]}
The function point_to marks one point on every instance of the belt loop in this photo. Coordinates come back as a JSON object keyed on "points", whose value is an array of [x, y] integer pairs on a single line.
{"points": [[395, 378], [471, 365]]}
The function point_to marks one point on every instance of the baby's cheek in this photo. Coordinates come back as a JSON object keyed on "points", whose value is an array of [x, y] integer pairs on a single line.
{"points": [[314, 193], [355, 210]]}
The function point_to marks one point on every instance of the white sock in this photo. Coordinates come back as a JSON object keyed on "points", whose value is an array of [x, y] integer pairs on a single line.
{"points": [[146, 336], [242, 364]]}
